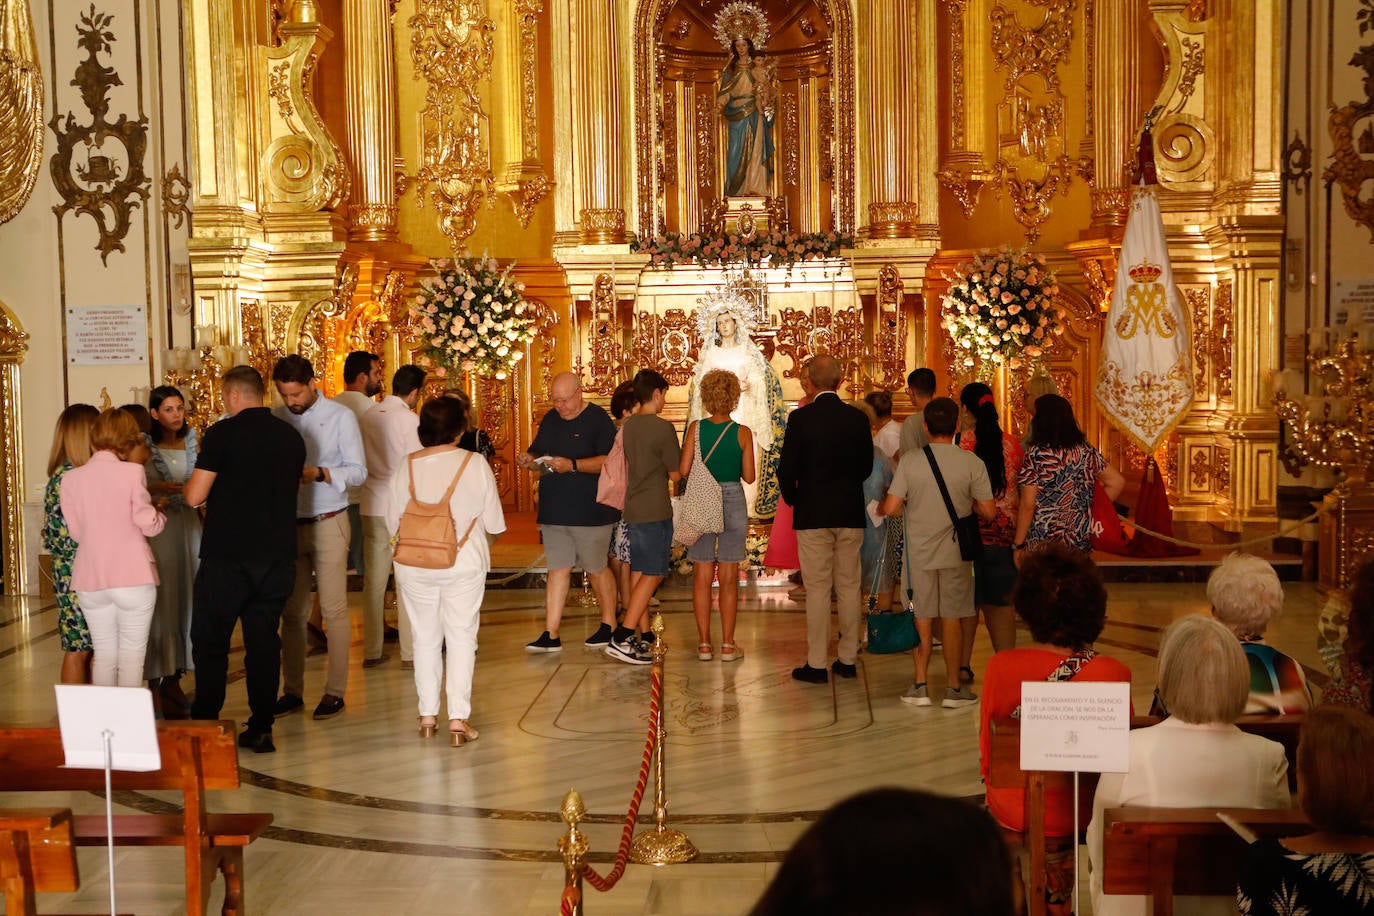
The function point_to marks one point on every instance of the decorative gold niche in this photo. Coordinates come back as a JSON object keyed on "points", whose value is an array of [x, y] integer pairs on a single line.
{"points": [[14, 343]]}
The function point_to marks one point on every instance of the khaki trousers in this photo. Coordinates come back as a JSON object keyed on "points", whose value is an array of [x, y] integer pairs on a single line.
{"points": [[830, 559], [377, 567], [321, 548]]}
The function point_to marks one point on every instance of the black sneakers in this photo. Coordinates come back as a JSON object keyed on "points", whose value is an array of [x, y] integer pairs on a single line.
{"points": [[289, 703], [545, 643], [600, 638], [629, 650], [330, 706], [256, 741]]}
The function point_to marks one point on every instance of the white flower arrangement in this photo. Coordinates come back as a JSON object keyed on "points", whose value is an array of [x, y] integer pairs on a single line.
{"points": [[473, 318], [1001, 309]]}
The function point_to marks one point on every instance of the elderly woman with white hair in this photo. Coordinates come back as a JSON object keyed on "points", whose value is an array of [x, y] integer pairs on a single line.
{"points": [[1195, 757], [1246, 594]]}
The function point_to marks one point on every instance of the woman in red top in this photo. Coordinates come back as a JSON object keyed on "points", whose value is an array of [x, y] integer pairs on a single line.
{"points": [[1060, 596]]}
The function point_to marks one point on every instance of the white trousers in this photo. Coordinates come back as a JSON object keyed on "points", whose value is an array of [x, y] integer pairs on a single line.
{"points": [[443, 606], [119, 619], [377, 566]]}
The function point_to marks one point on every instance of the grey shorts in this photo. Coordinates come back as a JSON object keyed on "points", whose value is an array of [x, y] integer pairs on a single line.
{"points": [[566, 546], [945, 593], [728, 546]]}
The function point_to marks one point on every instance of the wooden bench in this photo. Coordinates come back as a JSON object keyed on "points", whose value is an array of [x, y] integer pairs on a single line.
{"points": [[1160, 852], [36, 854], [196, 756], [1004, 772]]}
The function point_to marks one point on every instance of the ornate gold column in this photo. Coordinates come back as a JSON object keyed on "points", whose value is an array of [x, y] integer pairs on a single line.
{"points": [[597, 121], [524, 181], [966, 167], [1115, 104], [370, 86], [13, 345], [889, 58]]}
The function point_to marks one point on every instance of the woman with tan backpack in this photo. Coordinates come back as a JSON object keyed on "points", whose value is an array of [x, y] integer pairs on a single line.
{"points": [[443, 507]]}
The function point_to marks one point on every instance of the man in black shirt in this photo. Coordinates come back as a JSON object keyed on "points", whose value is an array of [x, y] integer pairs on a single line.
{"points": [[246, 475]]}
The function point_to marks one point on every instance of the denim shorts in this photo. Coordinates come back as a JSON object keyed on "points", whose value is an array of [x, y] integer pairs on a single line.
{"points": [[728, 546], [650, 543]]}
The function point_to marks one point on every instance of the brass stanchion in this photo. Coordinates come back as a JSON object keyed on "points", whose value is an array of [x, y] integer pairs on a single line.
{"points": [[574, 849], [586, 597], [661, 845]]}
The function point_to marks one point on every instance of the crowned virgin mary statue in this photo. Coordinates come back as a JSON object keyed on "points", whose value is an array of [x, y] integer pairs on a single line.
{"points": [[725, 320], [745, 98]]}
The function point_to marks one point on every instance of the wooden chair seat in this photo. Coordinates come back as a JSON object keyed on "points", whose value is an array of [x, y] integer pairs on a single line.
{"points": [[168, 829], [36, 855]]}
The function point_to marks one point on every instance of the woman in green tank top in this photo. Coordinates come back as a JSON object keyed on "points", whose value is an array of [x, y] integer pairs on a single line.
{"points": [[727, 450]]}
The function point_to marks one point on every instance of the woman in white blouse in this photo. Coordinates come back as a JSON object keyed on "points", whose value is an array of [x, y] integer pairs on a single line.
{"points": [[1197, 756], [443, 604]]}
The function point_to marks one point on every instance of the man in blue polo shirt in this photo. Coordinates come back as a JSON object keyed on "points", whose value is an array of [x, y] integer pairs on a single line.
{"points": [[334, 461]]}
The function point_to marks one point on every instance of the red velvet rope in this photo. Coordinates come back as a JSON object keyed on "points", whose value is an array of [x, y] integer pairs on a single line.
{"points": [[570, 899], [622, 855]]}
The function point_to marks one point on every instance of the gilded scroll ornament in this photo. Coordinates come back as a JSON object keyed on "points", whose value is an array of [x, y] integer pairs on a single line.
{"points": [[303, 168], [887, 359], [956, 72], [451, 45], [965, 188], [1185, 144], [525, 183], [21, 109], [1350, 167], [1199, 306], [110, 183], [544, 323], [176, 197], [1039, 50], [603, 224], [668, 342], [1297, 164], [608, 359], [1222, 330], [803, 334]]}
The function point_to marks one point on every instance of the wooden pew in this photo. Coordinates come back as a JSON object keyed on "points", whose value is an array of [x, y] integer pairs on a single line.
{"points": [[36, 854], [1004, 772], [1160, 852], [196, 756]]}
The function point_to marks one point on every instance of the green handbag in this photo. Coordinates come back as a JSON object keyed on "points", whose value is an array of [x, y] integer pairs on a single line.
{"points": [[890, 632]]}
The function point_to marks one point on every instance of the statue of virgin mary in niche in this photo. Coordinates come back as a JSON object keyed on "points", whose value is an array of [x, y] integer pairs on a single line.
{"points": [[745, 99], [725, 320]]}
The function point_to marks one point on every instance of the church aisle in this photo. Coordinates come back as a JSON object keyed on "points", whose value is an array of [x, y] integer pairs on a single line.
{"points": [[370, 818]]}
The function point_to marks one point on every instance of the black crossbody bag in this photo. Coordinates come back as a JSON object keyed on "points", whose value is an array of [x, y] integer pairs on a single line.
{"points": [[966, 528]]}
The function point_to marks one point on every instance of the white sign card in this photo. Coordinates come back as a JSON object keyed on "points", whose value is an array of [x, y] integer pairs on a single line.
{"points": [[85, 713], [1076, 727], [107, 335], [1352, 301]]}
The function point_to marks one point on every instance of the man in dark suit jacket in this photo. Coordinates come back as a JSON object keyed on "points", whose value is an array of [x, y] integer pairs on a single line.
{"points": [[827, 454]]}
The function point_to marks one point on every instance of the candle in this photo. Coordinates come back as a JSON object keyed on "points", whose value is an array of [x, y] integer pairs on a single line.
{"points": [[140, 393], [169, 359], [205, 335], [193, 361], [242, 356]]}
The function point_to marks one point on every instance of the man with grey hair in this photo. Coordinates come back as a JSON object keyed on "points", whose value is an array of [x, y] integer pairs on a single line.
{"points": [[1246, 594], [827, 454], [572, 442]]}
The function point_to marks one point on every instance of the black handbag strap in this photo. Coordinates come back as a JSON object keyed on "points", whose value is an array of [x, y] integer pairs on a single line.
{"points": [[944, 490]]}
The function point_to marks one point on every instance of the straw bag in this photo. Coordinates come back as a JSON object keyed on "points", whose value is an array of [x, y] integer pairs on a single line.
{"points": [[426, 537], [701, 508]]}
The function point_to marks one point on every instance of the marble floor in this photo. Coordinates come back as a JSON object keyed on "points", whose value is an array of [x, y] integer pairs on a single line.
{"points": [[371, 819]]}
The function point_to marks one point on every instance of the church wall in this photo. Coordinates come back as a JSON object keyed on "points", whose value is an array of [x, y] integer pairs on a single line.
{"points": [[48, 264]]}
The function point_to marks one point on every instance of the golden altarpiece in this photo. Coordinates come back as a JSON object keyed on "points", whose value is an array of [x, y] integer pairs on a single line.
{"points": [[338, 145]]}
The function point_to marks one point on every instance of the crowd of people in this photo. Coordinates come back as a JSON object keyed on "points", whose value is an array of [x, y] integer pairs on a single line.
{"points": [[162, 542]]}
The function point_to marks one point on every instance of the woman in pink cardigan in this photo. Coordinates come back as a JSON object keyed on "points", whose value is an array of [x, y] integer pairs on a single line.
{"points": [[110, 516]]}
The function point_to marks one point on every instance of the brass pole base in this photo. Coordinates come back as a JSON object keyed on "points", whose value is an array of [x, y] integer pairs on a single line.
{"points": [[662, 846]]}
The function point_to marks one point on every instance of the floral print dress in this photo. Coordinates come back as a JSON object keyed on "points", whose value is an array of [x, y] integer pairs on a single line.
{"points": [[72, 631]]}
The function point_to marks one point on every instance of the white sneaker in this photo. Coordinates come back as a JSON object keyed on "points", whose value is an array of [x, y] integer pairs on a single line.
{"points": [[627, 652]]}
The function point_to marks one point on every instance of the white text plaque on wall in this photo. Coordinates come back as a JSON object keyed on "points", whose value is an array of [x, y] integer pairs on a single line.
{"points": [[1075, 727], [107, 335]]}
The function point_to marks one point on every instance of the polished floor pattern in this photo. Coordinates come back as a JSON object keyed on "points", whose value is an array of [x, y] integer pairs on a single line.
{"points": [[371, 819]]}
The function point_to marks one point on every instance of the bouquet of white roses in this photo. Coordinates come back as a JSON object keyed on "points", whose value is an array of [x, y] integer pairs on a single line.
{"points": [[1000, 308], [473, 316]]}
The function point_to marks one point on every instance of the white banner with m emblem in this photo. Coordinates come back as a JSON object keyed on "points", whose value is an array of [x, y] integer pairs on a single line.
{"points": [[1144, 383]]}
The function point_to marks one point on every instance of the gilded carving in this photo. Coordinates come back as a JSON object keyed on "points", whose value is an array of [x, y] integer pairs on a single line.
{"points": [[1221, 474], [323, 323], [451, 45], [1350, 168], [791, 141], [826, 119], [21, 111], [1199, 307], [608, 361], [545, 322], [1030, 198], [1297, 164], [525, 194], [668, 132], [303, 168], [1039, 50], [1222, 329], [888, 355], [1099, 285], [965, 188], [525, 183], [603, 225], [1110, 201], [96, 186], [496, 414], [176, 198], [668, 342], [706, 144], [13, 346], [1185, 144], [821, 330], [956, 82], [1192, 66]]}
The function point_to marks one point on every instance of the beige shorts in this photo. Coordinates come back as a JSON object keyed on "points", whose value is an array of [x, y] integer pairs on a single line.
{"points": [[566, 546], [945, 593]]}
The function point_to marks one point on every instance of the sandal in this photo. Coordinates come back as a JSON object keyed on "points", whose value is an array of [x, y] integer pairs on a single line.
{"points": [[462, 734], [427, 726], [965, 674], [729, 652], [704, 651]]}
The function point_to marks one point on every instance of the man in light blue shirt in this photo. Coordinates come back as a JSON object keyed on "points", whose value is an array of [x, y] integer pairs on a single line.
{"points": [[334, 462]]}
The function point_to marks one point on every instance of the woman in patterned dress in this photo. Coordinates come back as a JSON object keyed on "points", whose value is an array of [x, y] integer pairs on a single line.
{"points": [[71, 447], [1352, 668], [1057, 480]]}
